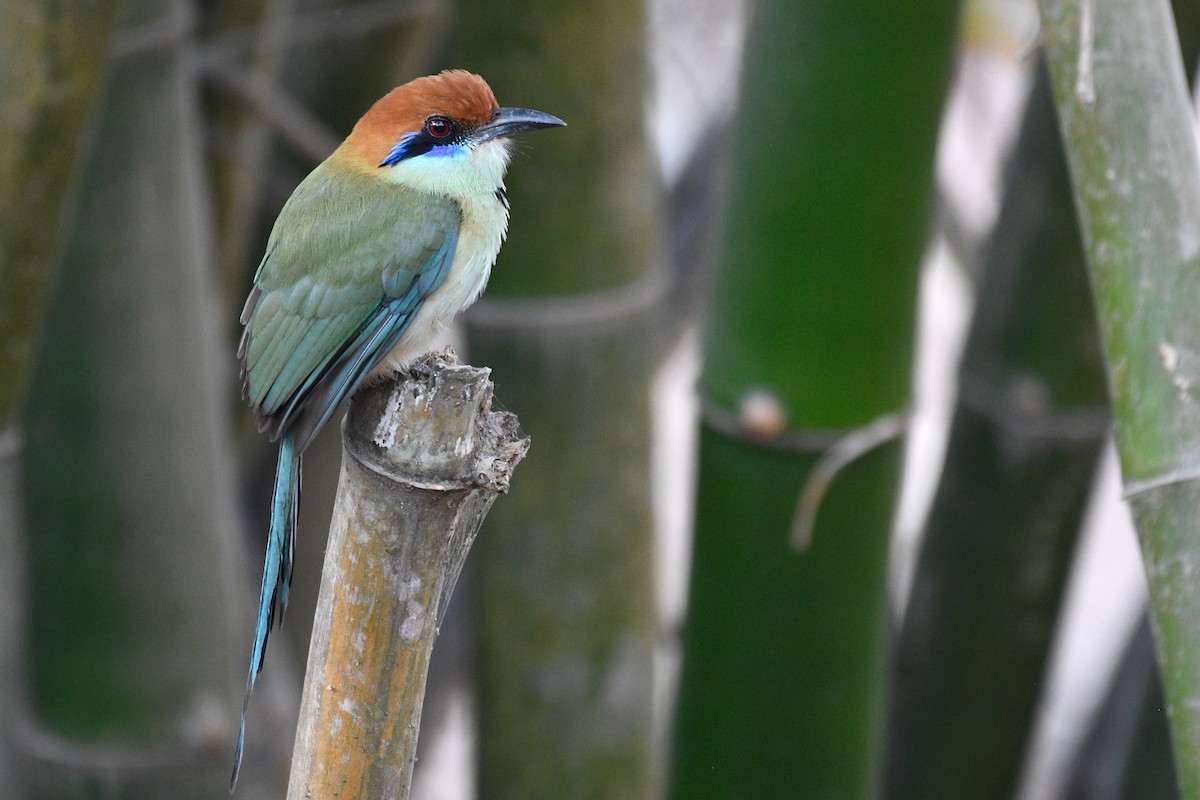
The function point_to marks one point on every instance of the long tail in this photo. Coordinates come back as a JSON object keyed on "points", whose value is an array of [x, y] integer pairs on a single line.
{"points": [[277, 572]]}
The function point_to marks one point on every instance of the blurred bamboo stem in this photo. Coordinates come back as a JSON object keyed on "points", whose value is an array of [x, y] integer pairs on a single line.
{"points": [[130, 663], [1028, 427], [1128, 126], [572, 324], [1125, 753], [423, 460], [806, 366], [50, 73]]}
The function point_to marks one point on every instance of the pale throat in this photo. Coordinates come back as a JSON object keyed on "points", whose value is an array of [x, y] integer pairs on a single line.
{"points": [[462, 173]]}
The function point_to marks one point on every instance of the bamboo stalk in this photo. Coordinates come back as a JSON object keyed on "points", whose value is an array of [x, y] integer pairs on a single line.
{"points": [[809, 341], [1029, 425], [423, 461], [50, 73], [130, 508], [564, 592], [51, 69], [1128, 126]]}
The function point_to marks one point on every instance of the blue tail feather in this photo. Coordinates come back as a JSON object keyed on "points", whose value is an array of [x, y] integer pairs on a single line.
{"points": [[277, 572]]}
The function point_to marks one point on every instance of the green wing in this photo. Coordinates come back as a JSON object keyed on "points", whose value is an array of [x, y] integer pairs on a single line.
{"points": [[344, 248]]}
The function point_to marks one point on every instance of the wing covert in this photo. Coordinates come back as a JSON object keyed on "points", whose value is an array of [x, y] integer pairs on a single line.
{"points": [[347, 255]]}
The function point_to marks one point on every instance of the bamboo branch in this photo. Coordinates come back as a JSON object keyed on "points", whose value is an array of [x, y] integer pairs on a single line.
{"points": [[423, 459]]}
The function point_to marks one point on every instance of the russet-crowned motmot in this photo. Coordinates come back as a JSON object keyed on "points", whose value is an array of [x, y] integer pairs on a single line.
{"points": [[371, 257]]}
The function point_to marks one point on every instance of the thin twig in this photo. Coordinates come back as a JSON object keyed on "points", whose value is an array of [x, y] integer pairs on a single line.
{"points": [[310, 27], [295, 123]]}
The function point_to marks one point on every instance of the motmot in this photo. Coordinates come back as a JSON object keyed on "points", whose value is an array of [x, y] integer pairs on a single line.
{"points": [[369, 259]]}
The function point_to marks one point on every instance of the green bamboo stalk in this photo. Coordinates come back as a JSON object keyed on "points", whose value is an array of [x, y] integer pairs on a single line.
{"points": [[134, 579], [1126, 754], [50, 71], [809, 339], [1127, 122], [424, 459], [564, 578], [1030, 423]]}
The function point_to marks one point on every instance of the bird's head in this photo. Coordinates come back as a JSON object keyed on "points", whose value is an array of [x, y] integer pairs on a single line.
{"points": [[443, 134]]}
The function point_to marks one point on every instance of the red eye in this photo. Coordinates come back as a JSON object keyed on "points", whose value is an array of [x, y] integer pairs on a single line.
{"points": [[438, 127]]}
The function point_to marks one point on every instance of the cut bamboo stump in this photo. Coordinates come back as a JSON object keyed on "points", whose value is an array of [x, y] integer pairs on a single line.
{"points": [[423, 458]]}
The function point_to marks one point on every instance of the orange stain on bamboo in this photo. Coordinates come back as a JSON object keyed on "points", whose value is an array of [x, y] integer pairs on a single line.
{"points": [[374, 674]]}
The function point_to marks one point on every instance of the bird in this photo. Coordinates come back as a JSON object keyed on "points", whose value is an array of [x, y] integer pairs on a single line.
{"points": [[370, 258]]}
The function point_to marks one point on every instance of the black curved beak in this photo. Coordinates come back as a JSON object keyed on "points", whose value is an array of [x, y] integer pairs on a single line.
{"points": [[507, 121]]}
